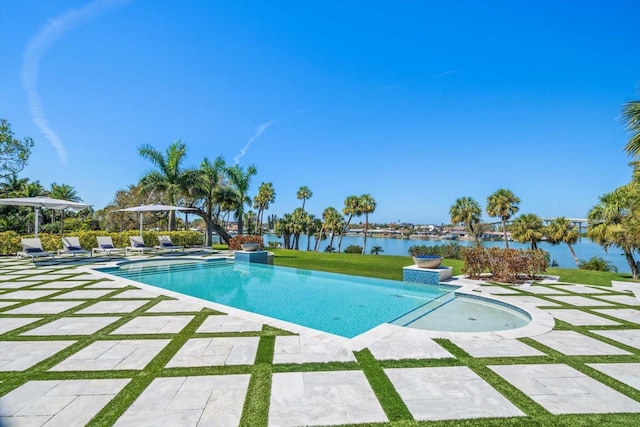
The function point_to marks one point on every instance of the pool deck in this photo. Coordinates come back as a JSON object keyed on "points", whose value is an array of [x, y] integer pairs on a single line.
{"points": [[78, 347]]}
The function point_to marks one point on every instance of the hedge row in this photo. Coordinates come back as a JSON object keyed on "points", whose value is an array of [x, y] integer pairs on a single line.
{"points": [[504, 265], [10, 240]]}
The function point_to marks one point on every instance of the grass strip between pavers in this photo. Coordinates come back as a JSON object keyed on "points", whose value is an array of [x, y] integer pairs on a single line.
{"points": [[255, 412], [388, 397]]}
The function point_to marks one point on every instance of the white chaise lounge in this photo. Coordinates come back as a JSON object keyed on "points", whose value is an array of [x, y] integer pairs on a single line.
{"points": [[32, 248], [106, 246], [71, 246], [167, 245], [137, 245]]}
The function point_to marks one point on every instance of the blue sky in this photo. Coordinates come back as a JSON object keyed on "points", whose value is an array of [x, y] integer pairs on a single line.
{"points": [[415, 102]]}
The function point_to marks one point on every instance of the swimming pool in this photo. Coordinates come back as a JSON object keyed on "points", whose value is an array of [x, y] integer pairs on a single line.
{"points": [[335, 303]]}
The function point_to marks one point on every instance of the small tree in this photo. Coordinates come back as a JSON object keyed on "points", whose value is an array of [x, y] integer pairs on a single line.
{"points": [[13, 152]]}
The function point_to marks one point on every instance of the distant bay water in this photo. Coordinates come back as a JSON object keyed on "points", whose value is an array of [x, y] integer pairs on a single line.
{"points": [[584, 248]]}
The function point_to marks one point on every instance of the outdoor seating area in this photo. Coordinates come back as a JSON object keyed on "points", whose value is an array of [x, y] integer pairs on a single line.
{"points": [[61, 325]]}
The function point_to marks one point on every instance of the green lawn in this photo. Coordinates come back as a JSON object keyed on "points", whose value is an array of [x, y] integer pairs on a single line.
{"points": [[390, 267]]}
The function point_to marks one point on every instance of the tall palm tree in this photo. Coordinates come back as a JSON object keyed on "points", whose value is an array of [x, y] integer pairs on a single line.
{"points": [[614, 221], [63, 192], [504, 204], [303, 194], [351, 208], [527, 228], [467, 211], [241, 181], [367, 206], [206, 188], [169, 179], [266, 195], [315, 225], [631, 116], [560, 230]]}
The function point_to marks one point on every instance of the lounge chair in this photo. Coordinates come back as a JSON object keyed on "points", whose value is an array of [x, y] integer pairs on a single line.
{"points": [[105, 245], [71, 246], [167, 245], [32, 248], [137, 245]]}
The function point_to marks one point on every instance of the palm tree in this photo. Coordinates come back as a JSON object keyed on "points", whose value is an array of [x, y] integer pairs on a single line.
{"points": [[614, 221], [367, 206], [266, 195], [351, 208], [241, 180], [527, 228], [169, 179], [303, 194], [315, 225], [63, 192], [376, 250], [467, 211], [283, 228], [560, 230], [504, 204], [332, 220], [631, 116]]}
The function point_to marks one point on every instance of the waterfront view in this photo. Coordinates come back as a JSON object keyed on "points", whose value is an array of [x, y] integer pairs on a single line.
{"points": [[585, 248]]}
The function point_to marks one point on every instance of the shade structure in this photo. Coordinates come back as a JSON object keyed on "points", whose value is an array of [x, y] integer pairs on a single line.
{"points": [[43, 202], [151, 208]]}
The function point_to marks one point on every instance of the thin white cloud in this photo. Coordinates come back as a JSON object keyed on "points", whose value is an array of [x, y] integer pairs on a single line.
{"points": [[446, 73], [35, 50], [259, 130]]}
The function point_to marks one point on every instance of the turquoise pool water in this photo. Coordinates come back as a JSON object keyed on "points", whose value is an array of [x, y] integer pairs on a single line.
{"points": [[340, 304]]}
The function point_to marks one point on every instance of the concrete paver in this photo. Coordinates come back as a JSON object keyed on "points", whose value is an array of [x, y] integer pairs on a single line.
{"points": [[175, 306], [106, 307], [574, 343], [580, 301], [531, 300], [323, 398], [216, 352], [582, 289], [542, 290], [45, 307], [27, 294], [628, 373], [225, 323], [579, 317], [496, 348], [83, 294], [73, 326], [628, 314], [304, 349], [21, 355], [630, 337], [560, 389], [58, 403], [396, 347], [621, 299], [10, 323], [189, 401], [117, 355], [450, 392], [153, 325]]}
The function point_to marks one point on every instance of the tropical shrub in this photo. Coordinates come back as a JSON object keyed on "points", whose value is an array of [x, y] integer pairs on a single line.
{"points": [[353, 249], [599, 264], [449, 250], [504, 265], [236, 242]]}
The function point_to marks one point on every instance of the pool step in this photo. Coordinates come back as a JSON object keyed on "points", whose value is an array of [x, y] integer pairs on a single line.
{"points": [[416, 313]]}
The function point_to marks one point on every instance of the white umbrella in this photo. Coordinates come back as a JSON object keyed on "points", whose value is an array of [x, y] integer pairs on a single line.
{"points": [[150, 208], [43, 202]]}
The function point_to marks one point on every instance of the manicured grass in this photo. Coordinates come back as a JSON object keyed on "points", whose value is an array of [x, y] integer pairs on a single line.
{"points": [[384, 267], [390, 267], [588, 277]]}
